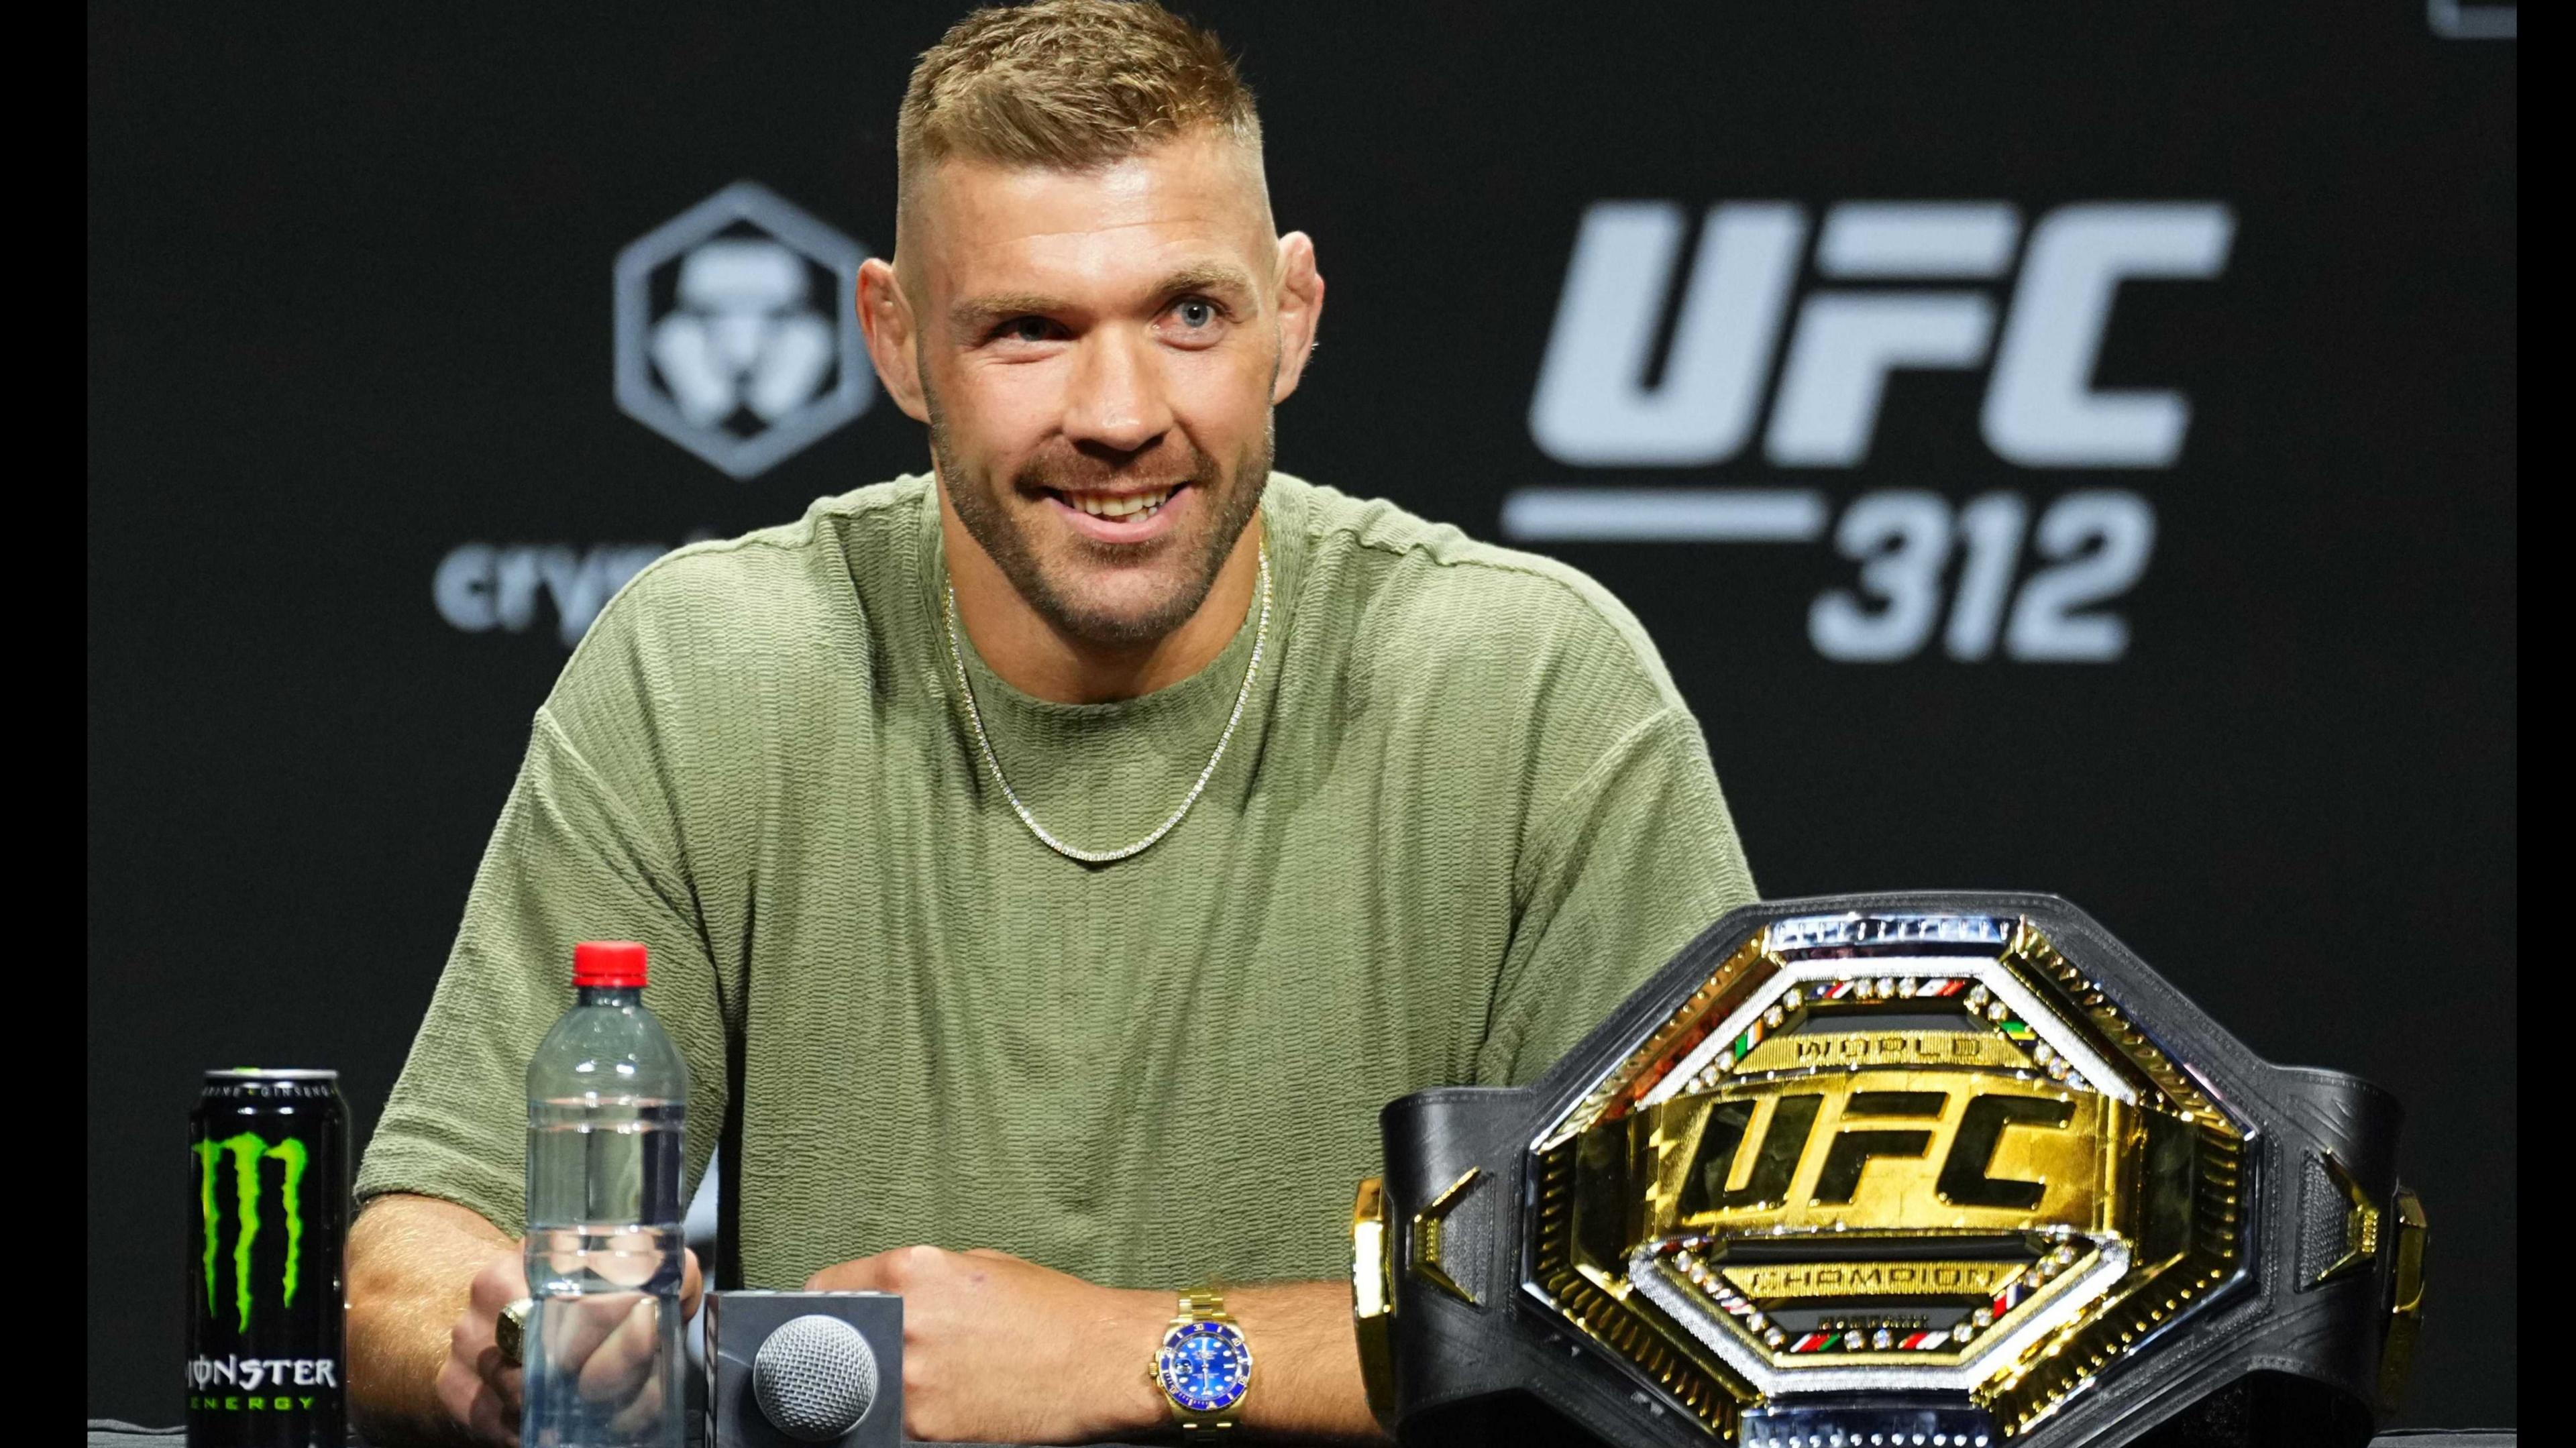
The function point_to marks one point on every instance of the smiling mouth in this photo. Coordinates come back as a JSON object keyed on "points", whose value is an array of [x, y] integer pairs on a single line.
{"points": [[1118, 507]]}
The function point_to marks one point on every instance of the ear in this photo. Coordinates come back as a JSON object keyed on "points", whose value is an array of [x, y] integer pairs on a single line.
{"points": [[885, 314], [1301, 310]]}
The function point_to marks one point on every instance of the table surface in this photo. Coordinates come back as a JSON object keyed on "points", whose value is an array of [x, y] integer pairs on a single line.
{"points": [[106, 1434]]}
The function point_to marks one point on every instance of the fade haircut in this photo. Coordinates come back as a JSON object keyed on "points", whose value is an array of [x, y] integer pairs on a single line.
{"points": [[1066, 85]]}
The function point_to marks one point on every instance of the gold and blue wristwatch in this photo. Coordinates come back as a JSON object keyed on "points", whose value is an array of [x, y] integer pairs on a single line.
{"points": [[1203, 1367]]}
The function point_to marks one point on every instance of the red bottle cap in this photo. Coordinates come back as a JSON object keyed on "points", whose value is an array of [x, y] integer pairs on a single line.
{"points": [[608, 963]]}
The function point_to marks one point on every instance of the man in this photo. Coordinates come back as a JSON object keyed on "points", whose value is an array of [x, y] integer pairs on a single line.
{"points": [[1063, 857]]}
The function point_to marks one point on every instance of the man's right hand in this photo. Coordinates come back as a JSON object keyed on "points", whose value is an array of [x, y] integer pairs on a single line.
{"points": [[427, 1282], [477, 1385]]}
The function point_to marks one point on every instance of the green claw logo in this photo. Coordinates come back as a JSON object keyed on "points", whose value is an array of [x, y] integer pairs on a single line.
{"points": [[248, 1151]]}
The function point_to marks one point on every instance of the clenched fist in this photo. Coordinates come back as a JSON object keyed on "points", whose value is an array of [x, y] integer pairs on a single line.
{"points": [[1001, 1349], [483, 1392]]}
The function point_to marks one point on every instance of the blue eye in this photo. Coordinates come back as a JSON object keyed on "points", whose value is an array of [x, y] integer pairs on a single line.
{"points": [[1196, 313], [1026, 329]]}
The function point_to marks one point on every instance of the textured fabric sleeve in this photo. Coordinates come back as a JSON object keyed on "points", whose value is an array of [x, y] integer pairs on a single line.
{"points": [[584, 851], [1630, 864]]}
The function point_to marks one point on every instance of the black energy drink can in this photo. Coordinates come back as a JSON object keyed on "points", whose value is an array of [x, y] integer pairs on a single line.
{"points": [[268, 1216]]}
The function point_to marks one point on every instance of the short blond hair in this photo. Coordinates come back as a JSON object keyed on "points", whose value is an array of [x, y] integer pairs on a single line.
{"points": [[1067, 85]]}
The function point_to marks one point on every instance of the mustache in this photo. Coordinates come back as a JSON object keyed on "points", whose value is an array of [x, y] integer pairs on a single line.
{"points": [[1079, 472]]}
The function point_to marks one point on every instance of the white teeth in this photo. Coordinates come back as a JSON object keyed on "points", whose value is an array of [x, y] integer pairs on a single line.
{"points": [[1126, 507]]}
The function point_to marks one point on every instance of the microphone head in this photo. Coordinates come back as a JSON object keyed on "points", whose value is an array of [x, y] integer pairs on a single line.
{"points": [[815, 1378]]}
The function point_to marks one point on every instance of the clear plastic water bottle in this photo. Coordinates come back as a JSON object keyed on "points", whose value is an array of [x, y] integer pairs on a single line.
{"points": [[607, 1098]]}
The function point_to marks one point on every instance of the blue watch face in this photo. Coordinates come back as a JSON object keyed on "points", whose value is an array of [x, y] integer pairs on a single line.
{"points": [[1204, 1366]]}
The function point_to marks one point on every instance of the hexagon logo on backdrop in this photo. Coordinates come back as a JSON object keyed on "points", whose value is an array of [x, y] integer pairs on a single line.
{"points": [[735, 335]]}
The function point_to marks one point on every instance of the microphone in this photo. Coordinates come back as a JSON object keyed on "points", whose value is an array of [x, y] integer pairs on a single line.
{"points": [[789, 1369], [814, 1379]]}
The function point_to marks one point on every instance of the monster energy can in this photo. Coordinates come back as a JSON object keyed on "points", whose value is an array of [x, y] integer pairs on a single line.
{"points": [[268, 1193]]}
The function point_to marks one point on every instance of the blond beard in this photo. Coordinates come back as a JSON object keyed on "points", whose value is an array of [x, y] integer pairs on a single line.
{"points": [[1236, 496]]}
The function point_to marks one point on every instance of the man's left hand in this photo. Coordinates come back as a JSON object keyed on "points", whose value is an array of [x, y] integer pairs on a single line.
{"points": [[1001, 1349]]}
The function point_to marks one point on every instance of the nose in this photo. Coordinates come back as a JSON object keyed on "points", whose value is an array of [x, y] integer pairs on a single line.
{"points": [[1116, 398]]}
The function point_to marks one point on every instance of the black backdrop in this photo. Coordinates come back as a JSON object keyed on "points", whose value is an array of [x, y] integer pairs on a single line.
{"points": [[351, 310]]}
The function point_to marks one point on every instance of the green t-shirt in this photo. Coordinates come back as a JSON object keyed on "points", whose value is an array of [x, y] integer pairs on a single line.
{"points": [[1464, 814]]}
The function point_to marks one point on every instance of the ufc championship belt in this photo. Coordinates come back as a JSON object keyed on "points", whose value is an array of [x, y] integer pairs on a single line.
{"points": [[1943, 1169]]}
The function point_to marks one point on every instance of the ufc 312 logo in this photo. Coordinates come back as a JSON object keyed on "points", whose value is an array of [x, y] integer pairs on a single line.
{"points": [[1661, 360], [1595, 408]]}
